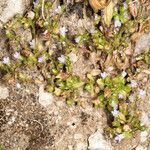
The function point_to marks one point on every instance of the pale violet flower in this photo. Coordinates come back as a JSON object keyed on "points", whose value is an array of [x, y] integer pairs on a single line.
{"points": [[17, 55], [35, 3], [77, 39], [32, 44], [41, 59], [125, 5], [141, 93], [6, 60], [117, 23], [114, 105], [61, 59], [120, 96], [119, 137], [123, 74], [104, 75], [58, 9], [133, 83], [115, 113], [63, 31]]}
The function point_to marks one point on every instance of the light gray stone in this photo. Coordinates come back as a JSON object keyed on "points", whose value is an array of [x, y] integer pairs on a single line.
{"points": [[4, 92], [45, 98], [9, 8], [98, 142], [143, 44]]}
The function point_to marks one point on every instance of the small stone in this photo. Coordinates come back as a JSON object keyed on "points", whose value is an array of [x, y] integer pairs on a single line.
{"points": [[4, 92], [144, 136], [145, 120], [73, 57], [81, 146], [45, 98], [142, 44], [95, 72], [78, 136], [140, 147], [31, 14], [9, 8], [18, 85], [70, 147], [98, 142]]}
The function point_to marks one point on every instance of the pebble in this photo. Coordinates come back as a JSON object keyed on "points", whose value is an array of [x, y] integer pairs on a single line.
{"points": [[98, 142], [4, 92], [45, 98]]}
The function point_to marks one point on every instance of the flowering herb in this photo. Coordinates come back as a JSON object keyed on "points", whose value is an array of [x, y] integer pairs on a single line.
{"points": [[6, 60]]}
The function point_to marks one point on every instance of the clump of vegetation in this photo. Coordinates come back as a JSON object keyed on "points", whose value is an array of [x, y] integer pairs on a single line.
{"points": [[112, 93]]}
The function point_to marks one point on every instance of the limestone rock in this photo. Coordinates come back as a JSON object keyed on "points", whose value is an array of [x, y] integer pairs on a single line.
{"points": [[143, 44], [9, 8], [45, 98], [98, 142], [4, 92]]}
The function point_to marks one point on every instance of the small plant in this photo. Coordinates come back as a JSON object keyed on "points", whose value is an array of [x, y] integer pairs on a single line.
{"points": [[110, 93]]}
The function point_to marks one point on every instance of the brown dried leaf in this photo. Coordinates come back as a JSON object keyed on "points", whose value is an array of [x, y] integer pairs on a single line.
{"points": [[108, 13], [133, 7], [98, 4]]}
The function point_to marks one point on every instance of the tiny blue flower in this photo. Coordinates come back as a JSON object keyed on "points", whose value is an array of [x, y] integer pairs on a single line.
{"points": [[133, 83], [63, 31], [17, 55], [115, 113], [104, 75], [119, 137], [41, 59]]}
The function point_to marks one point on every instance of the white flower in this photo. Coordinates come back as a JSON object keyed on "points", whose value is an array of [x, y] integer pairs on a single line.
{"points": [[32, 44], [123, 74], [61, 59], [17, 55], [142, 93], [63, 31], [117, 23], [115, 113], [77, 39], [104, 75], [41, 59], [58, 9], [6, 60], [121, 96], [119, 137], [133, 83]]}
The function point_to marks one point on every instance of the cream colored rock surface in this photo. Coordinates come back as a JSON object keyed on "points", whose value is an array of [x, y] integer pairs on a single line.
{"points": [[4, 92], [9, 8]]}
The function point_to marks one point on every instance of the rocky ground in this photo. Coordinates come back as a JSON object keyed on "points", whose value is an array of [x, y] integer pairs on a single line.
{"points": [[33, 119]]}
